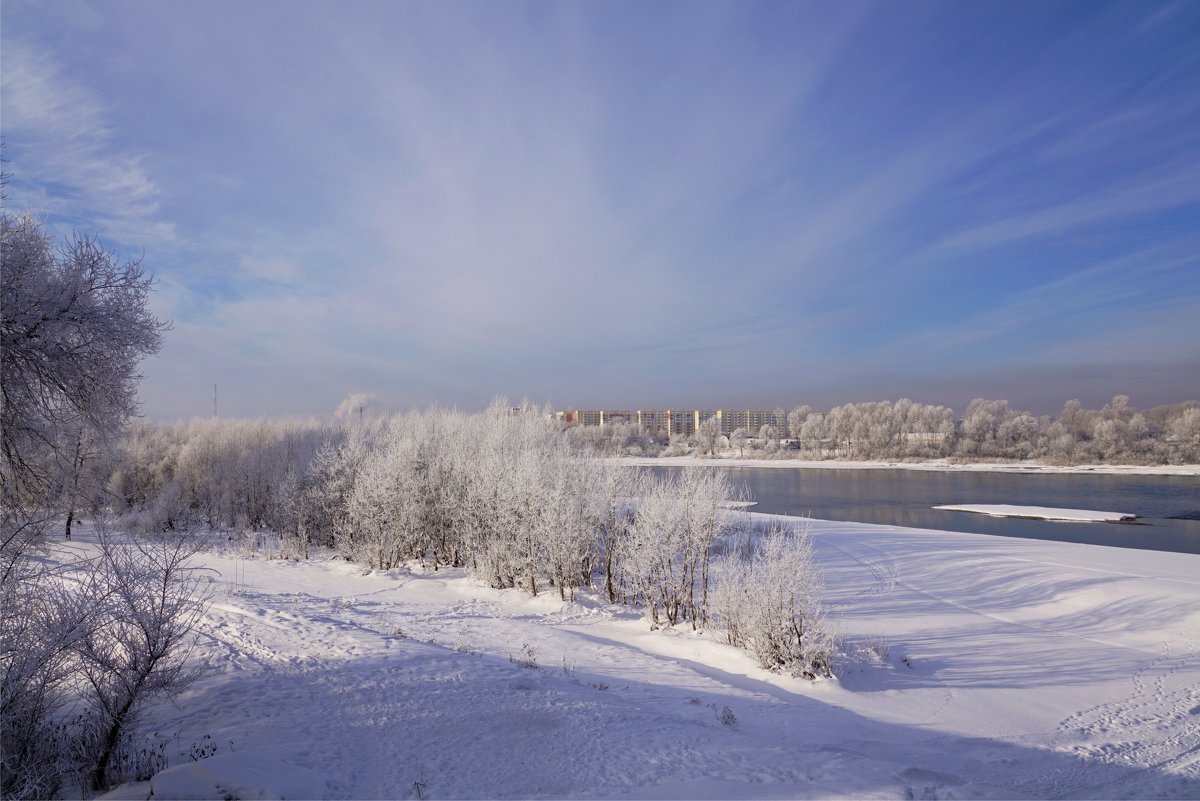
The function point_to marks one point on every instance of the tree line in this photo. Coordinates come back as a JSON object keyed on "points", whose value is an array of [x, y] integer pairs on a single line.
{"points": [[500, 493], [988, 430]]}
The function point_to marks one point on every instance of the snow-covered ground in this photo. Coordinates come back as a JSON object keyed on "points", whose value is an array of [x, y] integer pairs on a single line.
{"points": [[983, 667], [933, 464], [1039, 512]]}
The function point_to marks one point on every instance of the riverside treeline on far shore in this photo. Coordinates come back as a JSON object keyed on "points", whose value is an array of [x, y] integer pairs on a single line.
{"points": [[1117, 433]]}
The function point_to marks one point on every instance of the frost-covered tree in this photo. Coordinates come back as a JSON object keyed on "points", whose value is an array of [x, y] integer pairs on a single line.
{"points": [[78, 453], [382, 512], [1074, 424], [614, 491], [573, 510], [1018, 436], [74, 324], [1185, 431], [230, 472], [768, 435], [665, 556], [707, 436], [779, 419], [677, 445], [330, 477], [796, 419], [813, 432], [767, 599], [738, 439], [287, 516], [980, 425]]}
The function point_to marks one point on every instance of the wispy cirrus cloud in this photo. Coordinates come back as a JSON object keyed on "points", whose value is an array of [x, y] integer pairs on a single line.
{"points": [[1166, 187], [1145, 302], [617, 203], [61, 138]]}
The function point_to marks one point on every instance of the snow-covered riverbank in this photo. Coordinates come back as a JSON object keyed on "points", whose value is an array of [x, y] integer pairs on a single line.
{"points": [[981, 667], [932, 465]]}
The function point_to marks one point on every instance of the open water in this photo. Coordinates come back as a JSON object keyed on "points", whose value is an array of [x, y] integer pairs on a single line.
{"points": [[1168, 507]]}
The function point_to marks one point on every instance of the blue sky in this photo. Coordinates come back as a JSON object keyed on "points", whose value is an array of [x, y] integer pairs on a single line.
{"points": [[623, 205]]}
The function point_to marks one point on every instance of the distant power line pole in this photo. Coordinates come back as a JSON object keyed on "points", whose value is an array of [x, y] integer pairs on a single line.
{"points": [[214, 400]]}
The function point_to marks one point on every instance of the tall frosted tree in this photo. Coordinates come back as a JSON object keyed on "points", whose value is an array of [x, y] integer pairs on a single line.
{"points": [[74, 324]]}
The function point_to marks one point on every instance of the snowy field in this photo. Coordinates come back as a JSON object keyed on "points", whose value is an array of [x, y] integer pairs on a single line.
{"points": [[932, 464], [981, 667]]}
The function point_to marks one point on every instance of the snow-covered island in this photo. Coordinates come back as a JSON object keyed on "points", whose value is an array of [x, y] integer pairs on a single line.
{"points": [[1039, 512]]}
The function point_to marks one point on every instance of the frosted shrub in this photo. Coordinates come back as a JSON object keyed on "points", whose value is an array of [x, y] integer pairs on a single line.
{"points": [[678, 446], [223, 469], [287, 516], [380, 511], [612, 513], [664, 556], [150, 599], [83, 649], [522, 503], [572, 519], [729, 602], [527, 658], [767, 600], [45, 616], [329, 480]]}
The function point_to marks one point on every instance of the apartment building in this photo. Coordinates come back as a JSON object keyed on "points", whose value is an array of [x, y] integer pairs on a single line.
{"points": [[669, 422], [591, 418], [656, 421], [682, 422]]}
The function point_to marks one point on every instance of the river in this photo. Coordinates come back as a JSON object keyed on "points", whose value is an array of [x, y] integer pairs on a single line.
{"points": [[1168, 507]]}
